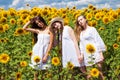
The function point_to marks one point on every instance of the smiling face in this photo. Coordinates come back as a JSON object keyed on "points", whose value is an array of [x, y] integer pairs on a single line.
{"points": [[82, 21], [39, 23], [57, 26]]}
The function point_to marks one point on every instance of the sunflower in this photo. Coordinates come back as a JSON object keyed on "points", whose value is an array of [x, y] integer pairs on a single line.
{"points": [[6, 39], [2, 29], [66, 21], [115, 15], [64, 16], [115, 46], [23, 63], [118, 11], [97, 16], [94, 22], [4, 13], [55, 61], [70, 65], [90, 49], [37, 59], [89, 16], [94, 72], [23, 16], [44, 12], [19, 31], [74, 7], [94, 8], [34, 12], [12, 21], [3, 20], [30, 53], [20, 22], [118, 38], [90, 23], [90, 6], [4, 58], [1, 40], [6, 26], [12, 13], [105, 20], [18, 76], [101, 28], [119, 31], [48, 75]]}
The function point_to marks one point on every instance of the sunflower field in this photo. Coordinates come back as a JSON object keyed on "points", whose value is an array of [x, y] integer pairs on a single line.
{"points": [[16, 44]]}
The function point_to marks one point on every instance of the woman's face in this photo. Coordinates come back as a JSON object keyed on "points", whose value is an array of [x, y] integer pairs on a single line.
{"points": [[39, 23], [57, 25], [82, 21]]}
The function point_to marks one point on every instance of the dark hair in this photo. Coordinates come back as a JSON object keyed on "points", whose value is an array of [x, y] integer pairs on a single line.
{"points": [[57, 36], [37, 18], [52, 26], [35, 26]]}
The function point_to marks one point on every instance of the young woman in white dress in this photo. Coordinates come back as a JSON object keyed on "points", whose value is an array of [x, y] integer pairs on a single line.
{"points": [[70, 49], [43, 39], [89, 35]]}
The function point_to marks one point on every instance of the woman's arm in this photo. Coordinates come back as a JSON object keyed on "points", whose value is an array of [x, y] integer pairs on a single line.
{"points": [[72, 35], [25, 27], [49, 47]]}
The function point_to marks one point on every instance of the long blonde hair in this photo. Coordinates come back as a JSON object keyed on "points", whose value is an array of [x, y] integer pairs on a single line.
{"points": [[78, 29]]}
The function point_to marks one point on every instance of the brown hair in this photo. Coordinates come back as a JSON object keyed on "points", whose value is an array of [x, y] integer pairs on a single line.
{"points": [[35, 26], [78, 28], [57, 36]]}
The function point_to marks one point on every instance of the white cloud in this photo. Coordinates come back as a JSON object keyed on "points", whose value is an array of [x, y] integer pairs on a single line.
{"points": [[69, 3], [15, 3], [30, 0], [74, 3], [45, 5], [118, 5], [2, 7], [20, 8], [106, 5]]}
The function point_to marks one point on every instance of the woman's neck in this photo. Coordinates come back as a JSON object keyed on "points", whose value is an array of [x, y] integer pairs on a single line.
{"points": [[85, 27]]}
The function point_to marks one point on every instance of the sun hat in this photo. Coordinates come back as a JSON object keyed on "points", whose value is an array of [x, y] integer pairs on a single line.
{"points": [[56, 19]]}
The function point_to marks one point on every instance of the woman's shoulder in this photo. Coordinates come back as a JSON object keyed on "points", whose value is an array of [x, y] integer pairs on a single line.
{"points": [[68, 27], [92, 28]]}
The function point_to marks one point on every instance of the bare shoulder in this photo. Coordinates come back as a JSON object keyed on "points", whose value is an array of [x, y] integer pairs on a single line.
{"points": [[70, 29], [48, 30]]}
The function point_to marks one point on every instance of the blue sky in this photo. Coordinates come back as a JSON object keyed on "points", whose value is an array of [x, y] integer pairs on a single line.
{"points": [[80, 4]]}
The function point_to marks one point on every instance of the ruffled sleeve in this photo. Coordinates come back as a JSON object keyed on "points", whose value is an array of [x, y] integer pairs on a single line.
{"points": [[99, 42]]}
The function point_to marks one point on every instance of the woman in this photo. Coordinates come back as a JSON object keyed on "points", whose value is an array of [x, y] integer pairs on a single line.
{"points": [[70, 49], [91, 44], [43, 41]]}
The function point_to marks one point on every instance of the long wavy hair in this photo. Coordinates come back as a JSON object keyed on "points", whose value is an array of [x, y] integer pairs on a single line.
{"points": [[35, 26], [57, 36], [78, 28]]}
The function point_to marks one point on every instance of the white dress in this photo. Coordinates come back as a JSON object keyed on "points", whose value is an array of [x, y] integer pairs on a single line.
{"points": [[91, 36], [39, 49], [68, 49]]}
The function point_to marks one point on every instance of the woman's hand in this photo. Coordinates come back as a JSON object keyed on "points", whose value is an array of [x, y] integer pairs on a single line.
{"points": [[44, 59], [80, 58], [101, 56]]}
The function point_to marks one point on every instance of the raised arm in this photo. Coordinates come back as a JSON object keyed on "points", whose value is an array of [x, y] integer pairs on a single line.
{"points": [[25, 27]]}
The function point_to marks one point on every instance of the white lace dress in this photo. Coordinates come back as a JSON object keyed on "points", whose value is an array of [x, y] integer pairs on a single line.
{"points": [[68, 49], [39, 49], [91, 36]]}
